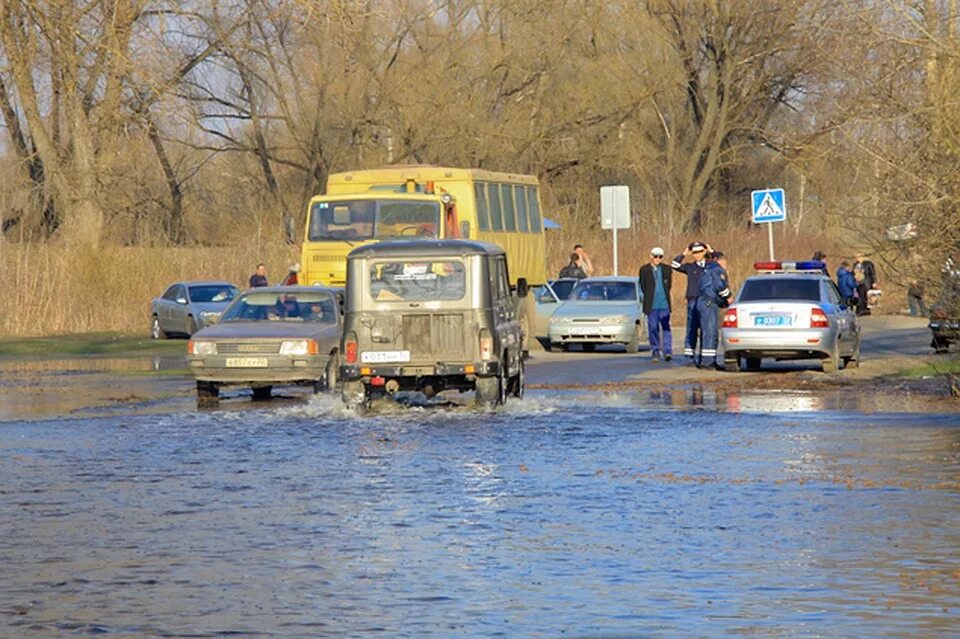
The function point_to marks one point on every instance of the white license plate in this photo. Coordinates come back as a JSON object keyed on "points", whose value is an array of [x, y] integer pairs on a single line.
{"points": [[384, 357], [584, 330], [246, 362], [772, 320]]}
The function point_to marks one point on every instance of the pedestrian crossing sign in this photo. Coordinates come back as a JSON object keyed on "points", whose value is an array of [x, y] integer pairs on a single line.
{"points": [[768, 206]]}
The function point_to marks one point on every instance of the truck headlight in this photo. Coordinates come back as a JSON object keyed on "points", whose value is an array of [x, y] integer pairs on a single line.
{"points": [[298, 347], [200, 347]]}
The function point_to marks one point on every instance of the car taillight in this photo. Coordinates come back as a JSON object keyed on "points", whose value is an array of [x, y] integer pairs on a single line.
{"points": [[486, 345], [818, 319], [350, 348], [730, 318]]}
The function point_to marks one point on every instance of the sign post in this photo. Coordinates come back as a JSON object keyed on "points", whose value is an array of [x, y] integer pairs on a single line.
{"points": [[769, 206], [615, 214]]}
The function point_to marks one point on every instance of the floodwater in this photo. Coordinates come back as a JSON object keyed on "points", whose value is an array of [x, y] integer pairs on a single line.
{"points": [[663, 514]]}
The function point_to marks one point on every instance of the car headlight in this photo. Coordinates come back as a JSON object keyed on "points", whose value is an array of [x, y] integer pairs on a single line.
{"points": [[298, 347], [209, 317], [614, 319], [200, 347], [556, 320]]}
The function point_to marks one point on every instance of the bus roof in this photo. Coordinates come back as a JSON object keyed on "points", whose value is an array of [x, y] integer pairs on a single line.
{"points": [[425, 248], [422, 173]]}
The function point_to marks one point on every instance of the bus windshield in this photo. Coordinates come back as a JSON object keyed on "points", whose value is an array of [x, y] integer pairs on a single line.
{"points": [[352, 220]]}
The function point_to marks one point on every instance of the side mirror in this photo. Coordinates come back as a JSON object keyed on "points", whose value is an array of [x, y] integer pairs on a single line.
{"points": [[289, 230], [465, 230], [523, 289], [181, 300]]}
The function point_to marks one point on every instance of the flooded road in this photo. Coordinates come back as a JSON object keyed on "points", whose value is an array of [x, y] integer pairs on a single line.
{"points": [[655, 513]]}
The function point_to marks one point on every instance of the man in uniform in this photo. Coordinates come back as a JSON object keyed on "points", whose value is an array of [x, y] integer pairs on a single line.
{"points": [[693, 271], [714, 294]]}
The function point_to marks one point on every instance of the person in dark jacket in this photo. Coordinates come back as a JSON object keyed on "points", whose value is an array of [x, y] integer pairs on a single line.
{"points": [[655, 280], [714, 294], [259, 277], [573, 269], [847, 284], [866, 276], [693, 270], [820, 256]]}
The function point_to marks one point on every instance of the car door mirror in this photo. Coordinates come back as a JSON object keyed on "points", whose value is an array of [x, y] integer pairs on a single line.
{"points": [[523, 289], [181, 300]]}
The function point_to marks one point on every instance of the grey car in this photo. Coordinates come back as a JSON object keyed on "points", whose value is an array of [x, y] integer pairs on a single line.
{"points": [[270, 336], [785, 315], [599, 310], [186, 307]]}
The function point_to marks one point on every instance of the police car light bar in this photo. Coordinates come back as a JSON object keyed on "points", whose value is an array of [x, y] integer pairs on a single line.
{"points": [[780, 266]]}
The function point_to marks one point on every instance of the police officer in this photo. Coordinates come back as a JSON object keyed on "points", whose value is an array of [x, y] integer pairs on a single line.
{"points": [[693, 270], [714, 294]]}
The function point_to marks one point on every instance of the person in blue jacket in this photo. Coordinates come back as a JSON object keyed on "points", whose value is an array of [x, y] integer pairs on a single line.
{"points": [[847, 284], [693, 270], [714, 294]]}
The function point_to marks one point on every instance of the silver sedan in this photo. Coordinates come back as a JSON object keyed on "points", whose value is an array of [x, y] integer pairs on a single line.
{"points": [[269, 336], [789, 316], [599, 310]]}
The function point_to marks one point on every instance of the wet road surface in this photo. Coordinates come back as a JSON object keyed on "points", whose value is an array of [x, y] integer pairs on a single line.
{"points": [[591, 515]]}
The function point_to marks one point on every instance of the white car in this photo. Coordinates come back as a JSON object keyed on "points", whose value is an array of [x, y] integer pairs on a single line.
{"points": [[599, 310], [789, 310]]}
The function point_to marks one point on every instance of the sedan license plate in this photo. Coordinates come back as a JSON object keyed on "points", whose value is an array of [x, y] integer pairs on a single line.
{"points": [[772, 320], [583, 330], [384, 357], [246, 362]]}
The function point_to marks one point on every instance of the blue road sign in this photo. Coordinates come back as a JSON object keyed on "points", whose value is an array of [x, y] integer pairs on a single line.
{"points": [[768, 206]]}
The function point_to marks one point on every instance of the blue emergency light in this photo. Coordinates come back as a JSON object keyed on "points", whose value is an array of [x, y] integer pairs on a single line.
{"points": [[784, 266]]}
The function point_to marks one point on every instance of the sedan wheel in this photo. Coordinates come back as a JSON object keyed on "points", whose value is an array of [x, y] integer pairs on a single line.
{"points": [[633, 346], [853, 360], [831, 363], [155, 330], [732, 364]]}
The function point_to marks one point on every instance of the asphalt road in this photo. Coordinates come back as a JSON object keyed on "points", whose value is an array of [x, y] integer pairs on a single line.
{"points": [[890, 343]]}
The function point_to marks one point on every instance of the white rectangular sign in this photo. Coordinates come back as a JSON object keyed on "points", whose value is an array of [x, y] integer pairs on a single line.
{"points": [[615, 207]]}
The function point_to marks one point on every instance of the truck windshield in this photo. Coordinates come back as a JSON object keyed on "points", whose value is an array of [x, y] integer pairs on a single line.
{"points": [[353, 220], [417, 281]]}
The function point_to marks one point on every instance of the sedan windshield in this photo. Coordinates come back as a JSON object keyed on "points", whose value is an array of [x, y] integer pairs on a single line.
{"points": [[291, 307], [213, 293], [780, 288], [352, 220], [604, 291]]}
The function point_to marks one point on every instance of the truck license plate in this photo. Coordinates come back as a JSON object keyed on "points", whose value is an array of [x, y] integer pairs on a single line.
{"points": [[246, 362], [384, 357]]}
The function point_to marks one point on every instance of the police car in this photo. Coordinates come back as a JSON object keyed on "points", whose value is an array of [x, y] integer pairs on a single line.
{"points": [[787, 311]]}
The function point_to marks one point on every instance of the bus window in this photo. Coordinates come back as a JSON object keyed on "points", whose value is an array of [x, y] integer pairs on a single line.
{"points": [[496, 213], [509, 212], [352, 220], [520, 197], [534, 205], [483, 215]]}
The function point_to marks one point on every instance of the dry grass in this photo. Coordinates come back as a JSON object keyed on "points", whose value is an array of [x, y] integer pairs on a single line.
{"points": [[51, 289]]}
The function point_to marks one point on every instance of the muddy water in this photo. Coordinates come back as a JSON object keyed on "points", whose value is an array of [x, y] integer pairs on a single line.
{"points": [[603, 515]]}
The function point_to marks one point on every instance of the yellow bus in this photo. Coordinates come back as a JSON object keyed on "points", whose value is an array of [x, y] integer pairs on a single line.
{"points": [[423, 202]]}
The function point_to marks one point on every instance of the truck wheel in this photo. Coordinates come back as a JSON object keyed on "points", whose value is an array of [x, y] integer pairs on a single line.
{"points": [[155, 331], [489, 391], [208, 394], [329, 381], [518, 382], [354, 395], [262, 393]]}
